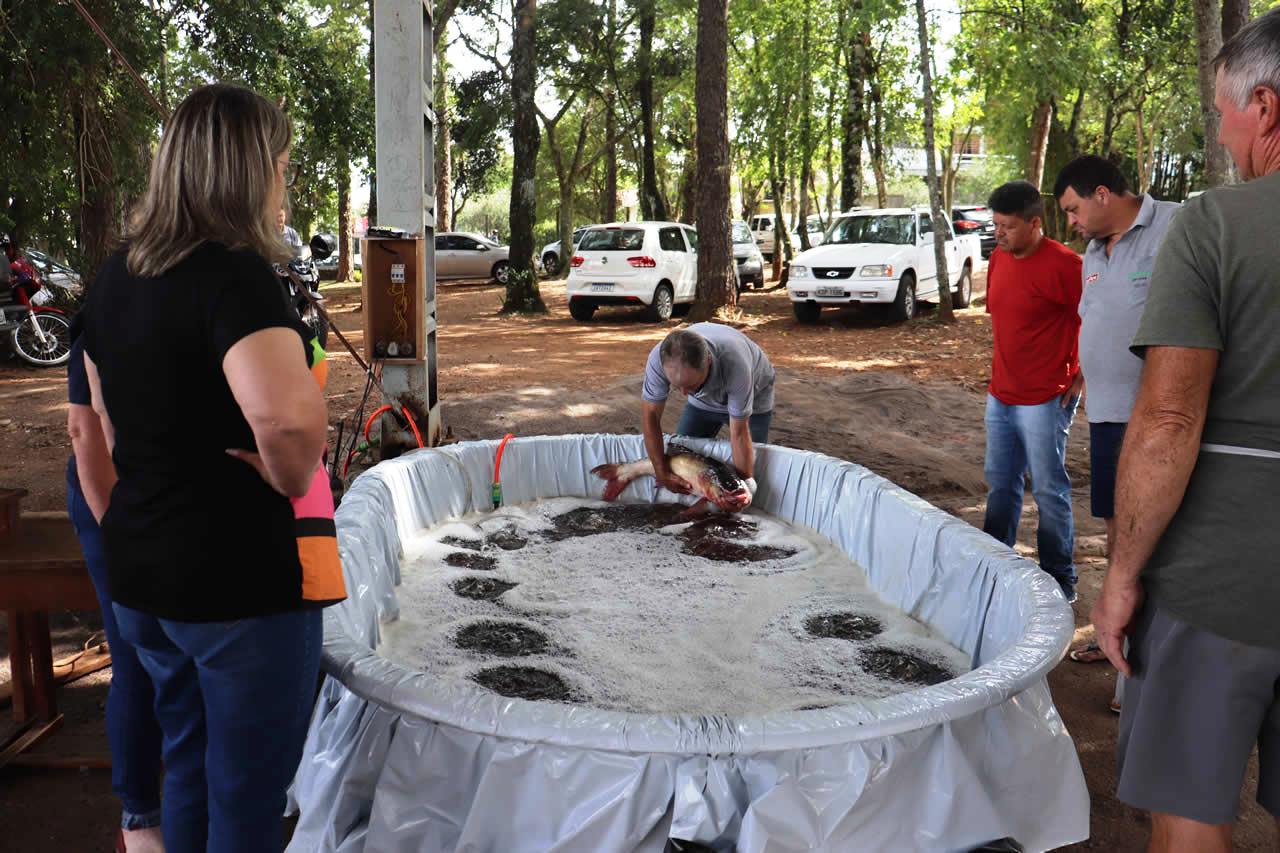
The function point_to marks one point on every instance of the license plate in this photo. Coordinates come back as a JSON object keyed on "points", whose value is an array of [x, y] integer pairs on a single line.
{"points": [[830, 291], [602, 286]]}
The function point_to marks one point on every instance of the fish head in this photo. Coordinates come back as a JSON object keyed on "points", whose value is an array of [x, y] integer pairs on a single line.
{"points": [[735, 501], [714, 480]]}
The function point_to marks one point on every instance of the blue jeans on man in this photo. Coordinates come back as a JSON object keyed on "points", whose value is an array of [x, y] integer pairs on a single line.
{"points": [[700, 423], [233, 700], [1032, 438], [132, 730]]}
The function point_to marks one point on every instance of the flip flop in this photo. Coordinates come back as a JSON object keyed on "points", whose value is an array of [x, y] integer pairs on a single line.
{"points": [[1088, 654]]}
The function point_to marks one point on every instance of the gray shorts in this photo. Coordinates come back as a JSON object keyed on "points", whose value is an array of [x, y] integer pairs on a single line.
{"points": [[1192, 712]]}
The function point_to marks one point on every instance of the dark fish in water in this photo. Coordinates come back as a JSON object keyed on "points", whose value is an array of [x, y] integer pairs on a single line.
{"points": [[711, 479]]}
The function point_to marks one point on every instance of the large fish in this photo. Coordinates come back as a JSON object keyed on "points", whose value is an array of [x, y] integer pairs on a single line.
{"points": [[711, 479]]}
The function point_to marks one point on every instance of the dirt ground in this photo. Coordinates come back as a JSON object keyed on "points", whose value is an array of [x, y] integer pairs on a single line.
{"points": [[905, 401]]}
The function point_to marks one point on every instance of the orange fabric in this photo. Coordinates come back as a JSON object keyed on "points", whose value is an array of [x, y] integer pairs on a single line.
{"points": [[321, 569], [320, 371]]}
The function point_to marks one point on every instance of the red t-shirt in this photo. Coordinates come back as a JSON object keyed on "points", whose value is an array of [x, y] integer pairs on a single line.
{"points": [[1034, 303]]}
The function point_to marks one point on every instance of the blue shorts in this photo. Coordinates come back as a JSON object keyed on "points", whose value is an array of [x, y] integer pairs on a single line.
{"points": [[1104, 457]]}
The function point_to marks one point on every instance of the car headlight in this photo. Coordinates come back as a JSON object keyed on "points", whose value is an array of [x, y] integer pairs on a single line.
{"points": [[877, 271], [799, 272]]}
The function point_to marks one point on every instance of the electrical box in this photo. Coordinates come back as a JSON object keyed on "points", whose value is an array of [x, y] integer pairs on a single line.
{"points": [[393, 284]]}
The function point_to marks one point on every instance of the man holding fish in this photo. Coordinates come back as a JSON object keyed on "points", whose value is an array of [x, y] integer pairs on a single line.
{"points": [[728, 380]]}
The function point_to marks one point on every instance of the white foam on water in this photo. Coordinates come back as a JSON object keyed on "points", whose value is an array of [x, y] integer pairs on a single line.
{"points": [[636, 624]]}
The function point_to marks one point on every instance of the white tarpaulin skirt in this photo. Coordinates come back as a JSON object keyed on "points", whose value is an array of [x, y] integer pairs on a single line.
{"points": [[398, 760]]}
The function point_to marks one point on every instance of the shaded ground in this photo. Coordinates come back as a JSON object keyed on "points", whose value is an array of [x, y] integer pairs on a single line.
{"points": [[905, 401]]}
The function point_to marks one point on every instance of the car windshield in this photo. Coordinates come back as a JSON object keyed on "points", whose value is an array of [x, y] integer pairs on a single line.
{"points": [[887, 228], [613, 240], [741, 233]]}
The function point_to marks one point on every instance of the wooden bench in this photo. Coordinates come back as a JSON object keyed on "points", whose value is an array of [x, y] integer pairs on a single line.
{"points": [[41, 569]]}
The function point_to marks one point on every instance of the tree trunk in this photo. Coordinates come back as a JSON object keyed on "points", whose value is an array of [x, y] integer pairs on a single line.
{"points": [[444, 145], [1073, 127], [344, 217], [806, 127], [523, 295], [610, 207], [651, 203], [1038, 143], [940, 223], [1144, 149], [778, 187], [830, 158], [875, 142], [1208, 43], [1235, 14], [717, 286], [95, 166], [854, 120]]}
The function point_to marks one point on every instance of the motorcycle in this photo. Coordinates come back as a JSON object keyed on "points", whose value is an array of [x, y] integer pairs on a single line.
{"points": [[301, 282], [38, 333]]}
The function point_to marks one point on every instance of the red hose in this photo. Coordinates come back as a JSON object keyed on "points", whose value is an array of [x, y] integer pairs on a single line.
{"points": [[413, 425], [372, 418], [497, 465]]}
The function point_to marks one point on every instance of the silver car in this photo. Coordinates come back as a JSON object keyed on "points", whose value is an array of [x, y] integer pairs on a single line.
{"points": [[461, 254], [552, 262], [747, 258]]}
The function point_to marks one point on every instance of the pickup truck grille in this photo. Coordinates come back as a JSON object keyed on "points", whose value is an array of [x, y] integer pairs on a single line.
{"points": [[832, 273]]}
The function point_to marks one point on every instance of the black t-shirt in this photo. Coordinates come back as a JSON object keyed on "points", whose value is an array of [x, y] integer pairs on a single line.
{"points": [[191, 533]]}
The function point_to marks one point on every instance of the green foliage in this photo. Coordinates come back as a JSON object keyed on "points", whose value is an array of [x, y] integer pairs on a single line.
{"points": [[80, 128]]}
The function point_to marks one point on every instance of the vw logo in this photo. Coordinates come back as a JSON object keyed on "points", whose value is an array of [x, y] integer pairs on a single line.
{"points": [[833, 273]]}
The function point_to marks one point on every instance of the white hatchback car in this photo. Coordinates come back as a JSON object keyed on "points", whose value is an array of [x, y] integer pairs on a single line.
{"points": [[634, 263]]}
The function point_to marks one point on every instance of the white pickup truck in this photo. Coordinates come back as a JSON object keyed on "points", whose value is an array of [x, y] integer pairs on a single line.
{"points": [[884, 257]]}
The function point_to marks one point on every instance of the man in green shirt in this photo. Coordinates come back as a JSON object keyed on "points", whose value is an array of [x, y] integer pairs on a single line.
{"points": [[1193, 578]]}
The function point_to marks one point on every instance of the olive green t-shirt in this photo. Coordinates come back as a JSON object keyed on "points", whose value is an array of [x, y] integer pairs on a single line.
{"points": [[1216, 285]]}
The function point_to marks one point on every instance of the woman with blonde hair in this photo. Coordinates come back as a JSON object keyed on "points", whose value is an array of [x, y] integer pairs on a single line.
{"points": [[202, 386]]}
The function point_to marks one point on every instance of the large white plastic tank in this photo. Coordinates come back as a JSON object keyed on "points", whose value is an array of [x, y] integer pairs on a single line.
{"points": [[402, 760]]}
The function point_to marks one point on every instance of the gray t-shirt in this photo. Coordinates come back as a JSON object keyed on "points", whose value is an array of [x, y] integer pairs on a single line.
{"points": [[740, 382], [1115, 291], [1216, 285], [292, 240]]}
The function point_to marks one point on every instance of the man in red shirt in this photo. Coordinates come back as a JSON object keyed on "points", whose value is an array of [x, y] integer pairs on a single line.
{"points": [[1033, 297]]}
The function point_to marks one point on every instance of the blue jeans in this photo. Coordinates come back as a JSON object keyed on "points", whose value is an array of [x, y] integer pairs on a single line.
{"points": [[233, 699], [1032, 438], [699, 423], [132, 729]]}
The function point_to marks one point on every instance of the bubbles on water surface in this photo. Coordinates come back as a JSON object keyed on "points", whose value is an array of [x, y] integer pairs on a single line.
{"points": [[638, 607]]}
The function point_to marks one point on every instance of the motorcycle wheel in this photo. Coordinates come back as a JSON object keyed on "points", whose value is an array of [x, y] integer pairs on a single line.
{"points": [[319, 325], [56, 348]]}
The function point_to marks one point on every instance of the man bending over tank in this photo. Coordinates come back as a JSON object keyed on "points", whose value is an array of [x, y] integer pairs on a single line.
{"points": [[727, 379]]}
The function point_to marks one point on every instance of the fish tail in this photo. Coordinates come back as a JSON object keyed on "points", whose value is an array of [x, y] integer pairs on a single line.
{"points": [[618, 476]]}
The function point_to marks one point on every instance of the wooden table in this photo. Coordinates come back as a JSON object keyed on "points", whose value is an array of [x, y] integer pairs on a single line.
{"points": [[41, 569]]}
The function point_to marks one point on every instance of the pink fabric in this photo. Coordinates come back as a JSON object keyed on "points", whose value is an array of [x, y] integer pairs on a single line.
{"points": [[318, 501]]}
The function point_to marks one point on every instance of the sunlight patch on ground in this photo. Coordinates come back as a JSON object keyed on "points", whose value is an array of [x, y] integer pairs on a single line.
{"points": [[582, 410]]}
